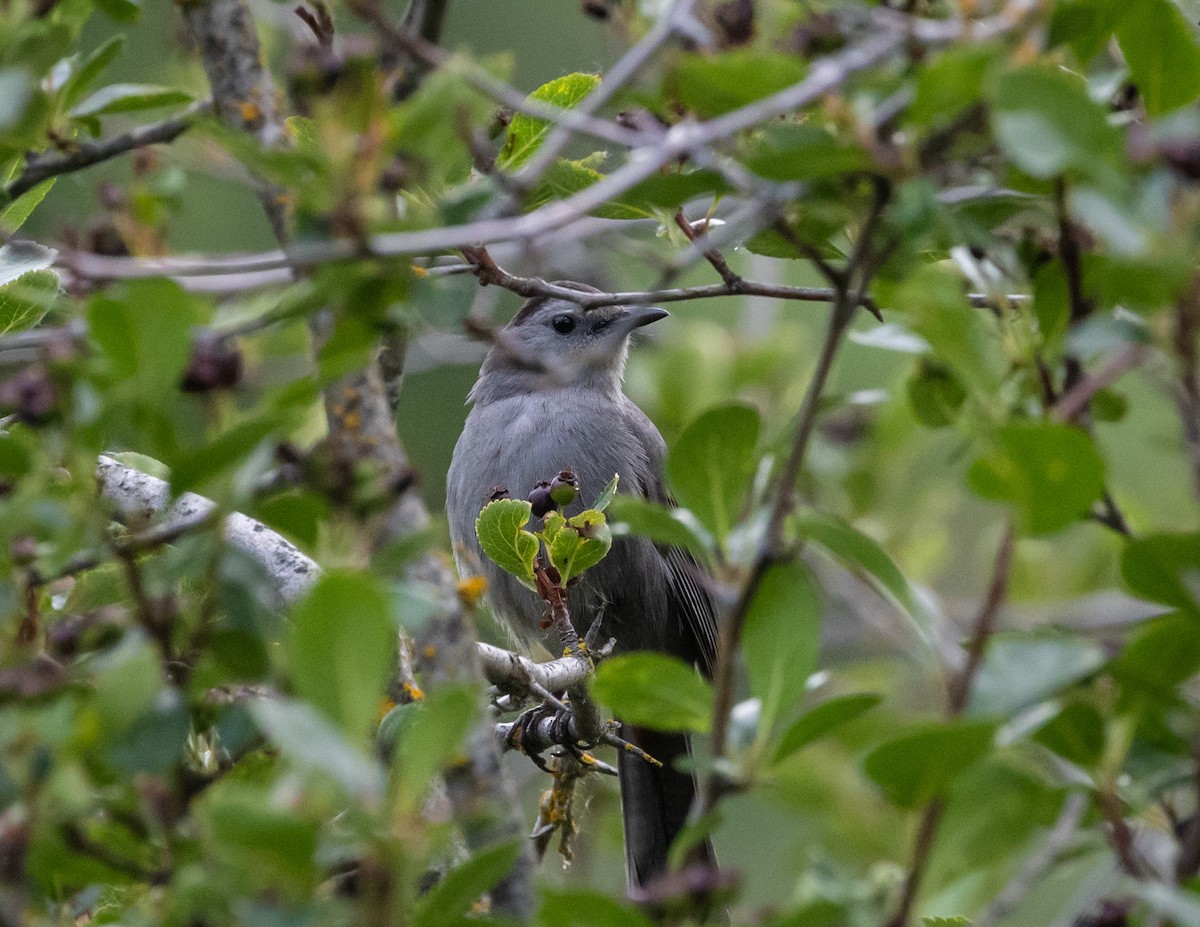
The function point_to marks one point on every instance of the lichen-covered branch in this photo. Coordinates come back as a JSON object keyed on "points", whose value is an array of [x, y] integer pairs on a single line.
{"points": [[139, 496]]}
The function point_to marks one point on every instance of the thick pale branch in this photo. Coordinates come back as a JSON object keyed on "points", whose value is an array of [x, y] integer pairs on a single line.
{"points": [[514, 673], [146, 498]]}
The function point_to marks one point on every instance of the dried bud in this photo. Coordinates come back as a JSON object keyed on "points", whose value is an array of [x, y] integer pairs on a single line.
{"points": [[104, 238], [644, 121], [215, 364], [735, 22], [597, 9], [818, 34], [112, 196], [564, 488], [395, 175], [496, 493], [23, 550], [31, 394], [541, 499]]}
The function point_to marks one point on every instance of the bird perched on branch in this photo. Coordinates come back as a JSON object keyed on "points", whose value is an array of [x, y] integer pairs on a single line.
{"points": [[549, 398]]}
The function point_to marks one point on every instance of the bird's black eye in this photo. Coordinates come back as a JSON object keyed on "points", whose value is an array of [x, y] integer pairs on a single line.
{"points": [[563, 324]]}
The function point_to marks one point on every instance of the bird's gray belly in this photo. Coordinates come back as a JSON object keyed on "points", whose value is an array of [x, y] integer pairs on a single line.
{"points": [[542, 436]]}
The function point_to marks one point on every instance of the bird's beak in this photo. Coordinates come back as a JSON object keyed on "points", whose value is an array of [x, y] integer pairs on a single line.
{"points": [[643, 315]]}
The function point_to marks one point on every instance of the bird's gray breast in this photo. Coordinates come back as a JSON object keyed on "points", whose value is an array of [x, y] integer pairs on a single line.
{"points": [[514, 443]]}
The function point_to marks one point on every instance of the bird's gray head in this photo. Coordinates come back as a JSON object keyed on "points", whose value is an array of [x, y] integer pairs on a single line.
{"points": [[552, 343]]}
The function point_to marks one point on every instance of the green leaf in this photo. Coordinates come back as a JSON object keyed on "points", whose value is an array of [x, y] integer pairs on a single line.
{"points": [[85, 74], [1052, 302], [145, 330], [431, 735], [604, 500], [127, 98], [860, 552], [1085, 25], [25, 301], [580, 544], [712, 463], [1020, 669], [710, 85], [661, 524], [780, 639], [935, 395], [341, 646], [15, 213], [1050, 473], [230, 449], [565, 178], [656, 691], [305, 737], [452, 897], [1164, 568], [1159, 45], [123, 11], [1048, 125], [15, 462], [672, 189], [154, 744], [1161, 654], [254, 834], [500, 529], [1076, 734], [582, 908], [18, 258], [964, 340], [951, 83], [526, 133], [802, 152], [821, 720], [956, 921], [919, 765]]}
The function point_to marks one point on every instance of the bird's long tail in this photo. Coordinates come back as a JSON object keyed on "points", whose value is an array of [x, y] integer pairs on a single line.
{"points": [[654, 801]]}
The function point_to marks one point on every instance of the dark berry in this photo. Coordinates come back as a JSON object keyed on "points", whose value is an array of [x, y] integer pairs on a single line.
{"points": [[214, 364], [31, 394], [541, 499]]}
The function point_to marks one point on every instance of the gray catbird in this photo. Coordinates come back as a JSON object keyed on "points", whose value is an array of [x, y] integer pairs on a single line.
{"points": [[549, 398]]}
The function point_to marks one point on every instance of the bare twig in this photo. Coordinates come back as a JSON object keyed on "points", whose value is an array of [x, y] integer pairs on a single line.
{"points": [[1074, 401], [714, 257], [959, 694], [86, 154], [535, 286], [770, 549], [399, 38], [1038, 863], [614, 81], [825, 76]]}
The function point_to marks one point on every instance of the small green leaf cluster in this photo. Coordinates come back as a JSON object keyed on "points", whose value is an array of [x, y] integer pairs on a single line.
{"points": [[568, 546]]}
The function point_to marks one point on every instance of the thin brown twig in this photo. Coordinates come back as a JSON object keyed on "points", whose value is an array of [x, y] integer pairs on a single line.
{"points": [[1038, 863], [373, 13], [825, 76], [620, 74], [714, 257], [536, 286], [958, 697], [86, 154], [771, 546]]}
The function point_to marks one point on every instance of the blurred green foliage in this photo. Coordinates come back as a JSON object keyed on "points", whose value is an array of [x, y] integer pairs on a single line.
{"points": [[147, 778]]}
